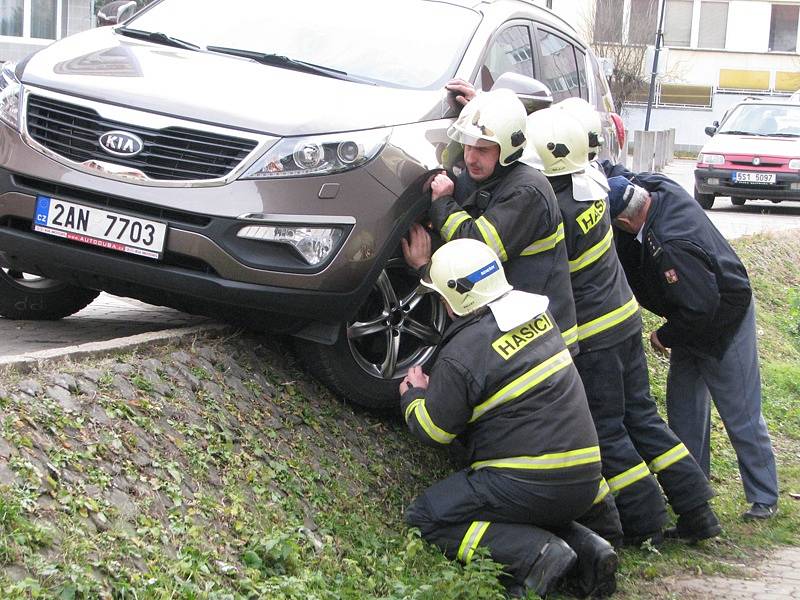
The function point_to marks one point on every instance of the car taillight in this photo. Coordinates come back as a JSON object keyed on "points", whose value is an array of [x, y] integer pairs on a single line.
{"points": [[620, 127]]}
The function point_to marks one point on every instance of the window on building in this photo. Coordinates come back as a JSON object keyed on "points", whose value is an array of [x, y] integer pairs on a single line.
{"points": [[608, 21], [713, 24], [642, 22], [678, 22], [11, 17], [783, 28], [29, 18], [558, 70], [511, 51]]}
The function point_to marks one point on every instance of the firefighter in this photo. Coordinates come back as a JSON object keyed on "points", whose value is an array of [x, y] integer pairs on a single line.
{"points": [[504, 383], [635, 443], [683, 269], [503, 203]]}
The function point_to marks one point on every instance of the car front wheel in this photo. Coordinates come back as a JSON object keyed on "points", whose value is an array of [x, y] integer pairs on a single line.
{"points": [[25, 296], [397, 327], [704, 200]]}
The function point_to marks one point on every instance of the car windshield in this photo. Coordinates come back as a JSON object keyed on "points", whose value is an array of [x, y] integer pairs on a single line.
{"points": [[763, 119], [410, 44]]}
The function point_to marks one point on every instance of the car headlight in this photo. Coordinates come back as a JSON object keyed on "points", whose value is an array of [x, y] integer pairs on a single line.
{"points": [[10, 89], [712, 159], [314, 244], [319, 154], [794, 163]]}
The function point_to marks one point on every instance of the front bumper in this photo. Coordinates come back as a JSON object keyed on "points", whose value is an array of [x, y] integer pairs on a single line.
{"points": [[780, 190]]}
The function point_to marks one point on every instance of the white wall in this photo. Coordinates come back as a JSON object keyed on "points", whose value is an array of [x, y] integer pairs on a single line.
{"points": [[689, 123], [702, 67]]}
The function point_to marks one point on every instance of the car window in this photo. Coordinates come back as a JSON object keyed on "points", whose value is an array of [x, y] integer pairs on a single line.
{"points": [[558, 68], [510, 51], [413, 44], [581, 59], [763, 119]]}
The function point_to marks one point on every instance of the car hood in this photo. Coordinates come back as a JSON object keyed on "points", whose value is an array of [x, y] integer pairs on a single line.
{"points": [[219, 89], [723, 143]]}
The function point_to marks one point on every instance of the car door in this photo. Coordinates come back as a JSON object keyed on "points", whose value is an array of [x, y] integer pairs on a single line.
{"points": [[509, 50]]}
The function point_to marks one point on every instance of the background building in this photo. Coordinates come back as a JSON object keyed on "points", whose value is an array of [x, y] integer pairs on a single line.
{"points": [[717, 52]]}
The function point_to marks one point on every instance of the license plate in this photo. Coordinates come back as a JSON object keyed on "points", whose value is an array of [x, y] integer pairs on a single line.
{"points": [[98, 227], [750, 177]]}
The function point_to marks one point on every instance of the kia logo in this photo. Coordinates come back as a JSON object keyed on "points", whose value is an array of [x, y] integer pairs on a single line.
{"points": [[121, 143]]}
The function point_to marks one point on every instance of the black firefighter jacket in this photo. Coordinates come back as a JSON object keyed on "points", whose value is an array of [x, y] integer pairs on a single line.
{"points": [[514, 399], [685, 270], [516, 214], [606, 308]]}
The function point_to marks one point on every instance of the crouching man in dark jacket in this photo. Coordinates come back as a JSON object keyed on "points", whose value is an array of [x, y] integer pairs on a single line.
{"points": [[504, 383], [681, 268]]}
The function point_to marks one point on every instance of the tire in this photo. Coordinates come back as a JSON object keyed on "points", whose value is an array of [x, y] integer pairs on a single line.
{"points": [[704, 200], [397, 327], [738, 200], [24, 296]]}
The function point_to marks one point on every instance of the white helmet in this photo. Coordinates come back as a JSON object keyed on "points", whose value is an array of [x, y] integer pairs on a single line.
{"points": [[496, 117], [558, 144], [468, 274], [588, 117]]}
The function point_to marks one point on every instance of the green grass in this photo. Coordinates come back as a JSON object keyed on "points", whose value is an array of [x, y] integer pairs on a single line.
{"points": [[274, 489]]}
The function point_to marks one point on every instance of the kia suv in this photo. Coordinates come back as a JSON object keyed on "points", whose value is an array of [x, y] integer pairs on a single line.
{"points": [[754, 153], [261, 165]]}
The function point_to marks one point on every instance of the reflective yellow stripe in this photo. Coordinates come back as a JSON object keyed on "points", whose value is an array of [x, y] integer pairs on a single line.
{"points": [[602, 492], [548, 243], [570, 336], [557, 460], [471, 540], [411, 407], [452, 223], [608, 320], [491, 237], [628, 477], [670, 457], [424, 419], [592, 254], [523, 383]]}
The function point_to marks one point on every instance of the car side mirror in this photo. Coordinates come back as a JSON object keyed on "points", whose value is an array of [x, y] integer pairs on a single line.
{"points": [[711, 130], [533, 94], [116, 12]]}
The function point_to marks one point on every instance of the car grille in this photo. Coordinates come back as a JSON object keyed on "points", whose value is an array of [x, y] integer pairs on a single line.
{"points": [[169, 154]]}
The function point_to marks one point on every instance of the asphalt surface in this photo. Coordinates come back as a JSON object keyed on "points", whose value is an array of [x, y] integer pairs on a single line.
{"points": [[110, 318]]}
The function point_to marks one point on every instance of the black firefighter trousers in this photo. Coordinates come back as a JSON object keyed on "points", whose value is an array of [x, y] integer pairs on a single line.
{"points": [[513, 517], [635, 442]]}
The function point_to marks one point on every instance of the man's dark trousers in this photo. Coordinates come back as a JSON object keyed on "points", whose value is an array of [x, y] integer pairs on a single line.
{"points": [[734, 383], [630, 429]]}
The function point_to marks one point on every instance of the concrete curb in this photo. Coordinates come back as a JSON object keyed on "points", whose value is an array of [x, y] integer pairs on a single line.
{"points": [[27, 362]]}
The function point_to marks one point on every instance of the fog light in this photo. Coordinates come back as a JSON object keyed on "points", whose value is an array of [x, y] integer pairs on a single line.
{"points": [[795, 185], [713, 181], [314, 244]]}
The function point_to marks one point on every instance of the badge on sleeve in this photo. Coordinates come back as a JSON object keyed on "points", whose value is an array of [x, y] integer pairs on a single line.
{"points": [[671, 276]]}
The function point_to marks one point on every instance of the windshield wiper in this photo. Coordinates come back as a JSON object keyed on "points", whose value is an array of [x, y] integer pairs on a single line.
{"points": [[277, 60], [156, 37], [736, 132], [776, 134]]}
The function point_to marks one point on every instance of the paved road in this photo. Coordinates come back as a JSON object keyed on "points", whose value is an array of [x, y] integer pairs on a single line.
{"points": [[108, 318]]}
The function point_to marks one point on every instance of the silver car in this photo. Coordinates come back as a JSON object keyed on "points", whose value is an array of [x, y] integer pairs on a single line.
{"points": [[260, 165]]}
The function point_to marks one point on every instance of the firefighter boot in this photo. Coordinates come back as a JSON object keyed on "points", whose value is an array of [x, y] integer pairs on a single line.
{"points": [[594, 573], [554, 561], [699, 523]]}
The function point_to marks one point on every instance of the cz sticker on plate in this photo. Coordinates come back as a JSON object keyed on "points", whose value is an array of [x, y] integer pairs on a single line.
{"points": [[98, 227]]}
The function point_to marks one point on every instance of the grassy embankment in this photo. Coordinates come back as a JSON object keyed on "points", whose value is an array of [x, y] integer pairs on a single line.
{"points": [[222, 471]]}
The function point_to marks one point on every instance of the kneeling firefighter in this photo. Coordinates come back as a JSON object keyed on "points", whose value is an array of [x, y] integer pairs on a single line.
{"points": [[504, 383]]}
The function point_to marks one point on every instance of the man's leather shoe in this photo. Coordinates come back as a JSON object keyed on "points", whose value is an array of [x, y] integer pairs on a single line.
{"points": [[761, 511], [694, 525]]}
